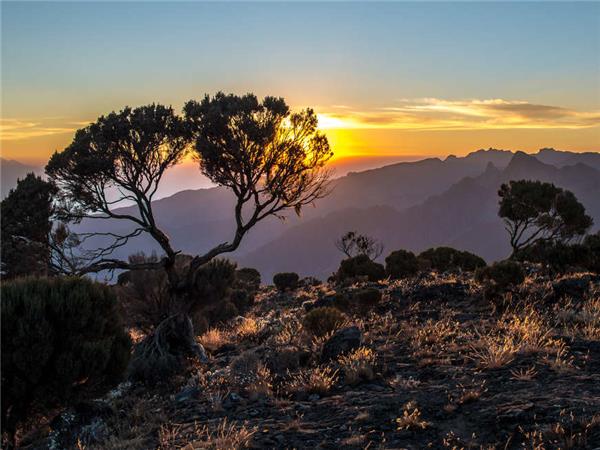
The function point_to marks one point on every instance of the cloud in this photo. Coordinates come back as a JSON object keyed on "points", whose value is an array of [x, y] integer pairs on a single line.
{"points": [[18, 129], [439, 114]]}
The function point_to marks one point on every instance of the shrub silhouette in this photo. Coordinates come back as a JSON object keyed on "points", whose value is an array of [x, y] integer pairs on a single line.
{"points": [[26, 215], [592, 244], [323, 320], [443, 259], [147, 300], [248, 279], [558, 257], [61, 337], [401, 264], [504, 274], [360, 266], [286, 280], [354, 244]]}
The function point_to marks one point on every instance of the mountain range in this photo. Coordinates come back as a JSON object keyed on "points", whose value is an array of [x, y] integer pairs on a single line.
{"points": [[411, 205]]}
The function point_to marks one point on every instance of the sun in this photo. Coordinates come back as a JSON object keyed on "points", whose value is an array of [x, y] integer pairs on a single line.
{"points": [[328, 122]]}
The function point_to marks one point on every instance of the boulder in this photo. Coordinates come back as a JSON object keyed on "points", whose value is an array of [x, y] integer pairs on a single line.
{"points": [[343, 341]]}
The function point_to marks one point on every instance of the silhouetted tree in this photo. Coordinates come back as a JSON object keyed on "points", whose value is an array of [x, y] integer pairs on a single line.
{"points": [[535, 212], [26, 224], [353, 244], [272, 160]]}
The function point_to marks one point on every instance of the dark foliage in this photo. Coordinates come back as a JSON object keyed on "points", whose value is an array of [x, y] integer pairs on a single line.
{"points": [[359, 267], [354, 244], [324, 320], [504, 274], [61, 338], [26, 215], [401, 264], [248, 279], [286, 280], [443, 259], [592, 244], [534, 211], [558, 257]]}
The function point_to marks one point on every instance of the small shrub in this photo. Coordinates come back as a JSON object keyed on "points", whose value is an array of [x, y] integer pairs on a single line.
{"points": [[221, 312], [242, 299], [504, 274], [213, 282], [321, 321], [286, 280], [401, 264], [360, 266], [560, 258], [592, 244], [366, 299], [247, 279], [443, 259], [60, 338]]}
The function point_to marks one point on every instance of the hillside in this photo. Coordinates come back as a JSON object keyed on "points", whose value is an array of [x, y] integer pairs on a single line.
{"points": [[432, 364]]}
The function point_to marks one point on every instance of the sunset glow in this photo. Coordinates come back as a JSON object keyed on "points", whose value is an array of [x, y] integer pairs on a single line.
{"points": [[391, 90]]}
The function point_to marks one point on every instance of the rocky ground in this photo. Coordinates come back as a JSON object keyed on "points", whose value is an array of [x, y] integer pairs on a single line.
{"points": [[430, 364]]}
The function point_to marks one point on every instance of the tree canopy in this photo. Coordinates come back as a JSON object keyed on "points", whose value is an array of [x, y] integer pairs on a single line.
{"points": [[26, 224], [271, 159], [534, 211]]}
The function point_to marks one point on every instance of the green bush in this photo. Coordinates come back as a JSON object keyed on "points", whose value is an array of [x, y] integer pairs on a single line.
{"points": [[443, 259], [286, 280], [247, 279], [504, 274], [366, 299], [61, 337], [320, 321], [360, 266], [401, 264]]}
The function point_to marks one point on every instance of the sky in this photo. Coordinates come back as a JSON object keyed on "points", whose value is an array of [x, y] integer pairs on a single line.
{"points": [[394, 79]]}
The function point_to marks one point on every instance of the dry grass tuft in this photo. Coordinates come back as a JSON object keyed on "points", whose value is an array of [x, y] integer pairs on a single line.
{"points": [[318, 380], [411, 418], [214, 339], [358, 366]]}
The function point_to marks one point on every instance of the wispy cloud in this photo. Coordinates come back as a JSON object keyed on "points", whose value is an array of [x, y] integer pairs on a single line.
{"points": [[439, 114], [19, 129]]}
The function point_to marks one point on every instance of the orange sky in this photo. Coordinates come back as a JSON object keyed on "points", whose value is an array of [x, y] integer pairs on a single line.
{"points": [[389, 78]]}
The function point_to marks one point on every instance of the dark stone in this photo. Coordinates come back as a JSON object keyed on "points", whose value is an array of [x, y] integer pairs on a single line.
{"points": [[343, 341], [574, 288], [187, 393]]}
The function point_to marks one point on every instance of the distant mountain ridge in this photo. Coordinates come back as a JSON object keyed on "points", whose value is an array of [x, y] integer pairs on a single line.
{"points": [[464, 216], [413, 205], [11, 171]]}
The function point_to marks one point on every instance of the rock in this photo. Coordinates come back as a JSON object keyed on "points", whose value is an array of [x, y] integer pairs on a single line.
{"points": [[574, 288], [443, 291], [343, 341], [187, 393], [231, 400], [85, 421]]}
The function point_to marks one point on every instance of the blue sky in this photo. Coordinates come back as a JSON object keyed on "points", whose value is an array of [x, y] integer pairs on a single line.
{"points": [[65, 63]]}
